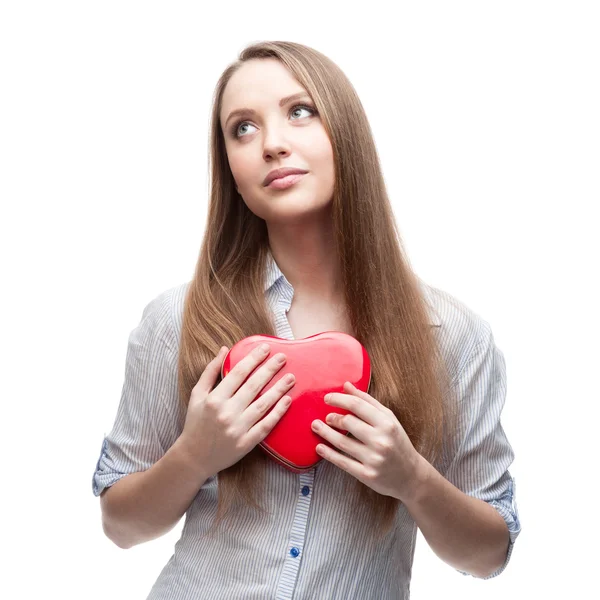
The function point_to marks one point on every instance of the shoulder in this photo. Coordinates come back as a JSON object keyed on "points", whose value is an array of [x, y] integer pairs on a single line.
{"points": [[460, 329], [164, 313]]}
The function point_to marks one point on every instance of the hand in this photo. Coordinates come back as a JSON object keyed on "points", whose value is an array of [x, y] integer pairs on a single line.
{"points": [[382, 455], [224, 424]]}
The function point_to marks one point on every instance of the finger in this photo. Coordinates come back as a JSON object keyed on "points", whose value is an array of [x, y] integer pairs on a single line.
{"points": [[257, 409], [352, 447], [339, 460], [238, 375], [360, 407], [260, 431], [211, 372], [352, 424], [251, 389], [352, 389]]}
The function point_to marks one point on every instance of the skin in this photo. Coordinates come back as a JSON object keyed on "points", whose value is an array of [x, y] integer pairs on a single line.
{"points": [[298, 219]]}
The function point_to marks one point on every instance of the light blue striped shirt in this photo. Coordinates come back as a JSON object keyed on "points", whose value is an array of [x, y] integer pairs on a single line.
{"points": [[314, 543]]}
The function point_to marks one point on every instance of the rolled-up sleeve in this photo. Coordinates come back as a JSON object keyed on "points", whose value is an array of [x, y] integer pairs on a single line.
{"points": [[148, 419], [483, 454]]}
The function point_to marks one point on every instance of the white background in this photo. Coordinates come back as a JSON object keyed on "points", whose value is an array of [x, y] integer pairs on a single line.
{"points": [[486, 119]]}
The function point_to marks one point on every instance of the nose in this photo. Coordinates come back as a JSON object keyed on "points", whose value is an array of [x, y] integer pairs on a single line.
{"points": [[271, 151], [275, 144]]}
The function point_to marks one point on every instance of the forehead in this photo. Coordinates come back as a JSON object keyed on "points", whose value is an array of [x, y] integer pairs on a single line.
{"points": [[257, 83]]}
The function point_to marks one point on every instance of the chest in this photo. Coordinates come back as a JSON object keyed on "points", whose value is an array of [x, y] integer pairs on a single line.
{"points": [[309, 319]]}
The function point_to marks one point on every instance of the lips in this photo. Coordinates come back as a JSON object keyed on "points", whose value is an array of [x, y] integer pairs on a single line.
{"points": [[283, 172], [283, 183]]}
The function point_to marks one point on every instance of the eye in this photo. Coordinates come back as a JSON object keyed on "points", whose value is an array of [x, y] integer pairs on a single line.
{"points": [[302, 107], [238, 124]]}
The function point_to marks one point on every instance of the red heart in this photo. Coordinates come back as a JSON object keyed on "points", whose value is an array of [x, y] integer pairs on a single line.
{"points": [[321, 364]]}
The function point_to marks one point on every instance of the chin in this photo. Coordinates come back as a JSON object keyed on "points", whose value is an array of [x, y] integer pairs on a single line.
{"points": [[295, 212], [288, 204]]}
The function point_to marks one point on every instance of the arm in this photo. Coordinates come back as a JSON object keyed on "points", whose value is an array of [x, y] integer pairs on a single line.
{"points": [[468, 515], [143, 506], [145, 482], [465, 532]]}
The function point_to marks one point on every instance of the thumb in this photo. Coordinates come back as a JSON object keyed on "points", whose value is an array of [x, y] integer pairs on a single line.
{"points": [[212, 371]]}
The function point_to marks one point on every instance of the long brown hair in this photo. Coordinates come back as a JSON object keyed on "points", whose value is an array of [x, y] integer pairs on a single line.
{"points": [[226, 300]]}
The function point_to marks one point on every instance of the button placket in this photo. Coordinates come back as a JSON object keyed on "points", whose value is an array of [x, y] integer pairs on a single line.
{"points": [[289, 576]]}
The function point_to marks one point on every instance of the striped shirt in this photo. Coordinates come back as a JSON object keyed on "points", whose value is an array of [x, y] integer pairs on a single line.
{"points": [[315, 540]]}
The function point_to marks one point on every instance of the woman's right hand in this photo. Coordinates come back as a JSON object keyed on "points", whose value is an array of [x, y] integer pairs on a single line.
{"points": [[224, 424]]}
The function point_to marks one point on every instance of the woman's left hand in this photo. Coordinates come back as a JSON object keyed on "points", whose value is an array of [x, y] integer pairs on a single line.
{"points": [[382, 455]]}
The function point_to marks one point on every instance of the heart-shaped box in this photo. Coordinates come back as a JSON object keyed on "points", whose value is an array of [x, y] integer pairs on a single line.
{"points": [[321, 364]]}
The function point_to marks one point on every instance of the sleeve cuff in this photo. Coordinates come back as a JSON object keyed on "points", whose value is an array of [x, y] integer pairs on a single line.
{"points": [[507, 508], [104, 478]]}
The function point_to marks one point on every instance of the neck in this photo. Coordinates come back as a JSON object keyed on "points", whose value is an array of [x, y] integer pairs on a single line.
{"points": [[307, 258]]}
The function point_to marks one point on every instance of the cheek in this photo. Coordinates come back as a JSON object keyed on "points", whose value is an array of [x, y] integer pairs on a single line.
{"points": [[241, 164], [322, 158], [241, 171]]}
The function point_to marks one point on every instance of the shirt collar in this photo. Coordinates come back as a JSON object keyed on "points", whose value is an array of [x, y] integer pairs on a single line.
{"points": [[274, 274]]}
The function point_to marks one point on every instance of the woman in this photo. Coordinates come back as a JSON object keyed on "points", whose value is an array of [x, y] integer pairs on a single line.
{"points": [[315, 251]]}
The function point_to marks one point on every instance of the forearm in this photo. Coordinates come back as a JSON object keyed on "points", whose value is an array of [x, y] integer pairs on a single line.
{"points": [[143, 506], [465, 532]]}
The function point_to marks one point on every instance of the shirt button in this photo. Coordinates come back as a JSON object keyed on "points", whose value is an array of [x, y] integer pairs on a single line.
{"points": [[294, 552], [305, 490]]}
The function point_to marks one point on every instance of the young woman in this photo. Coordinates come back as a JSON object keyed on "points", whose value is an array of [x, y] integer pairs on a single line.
{"points": [[316, 250]]}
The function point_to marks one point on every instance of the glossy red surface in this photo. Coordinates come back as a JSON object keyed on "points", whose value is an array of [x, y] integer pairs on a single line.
{"points": [[321, 364]]}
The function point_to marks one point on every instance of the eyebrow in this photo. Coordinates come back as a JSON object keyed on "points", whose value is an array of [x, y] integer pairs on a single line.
{"points": [[249, 111]]}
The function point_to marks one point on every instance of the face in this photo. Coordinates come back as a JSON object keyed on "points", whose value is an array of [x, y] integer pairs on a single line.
{"points": [[274, 136]]}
